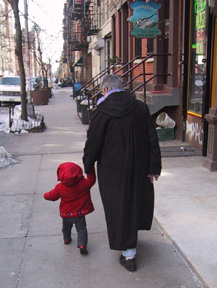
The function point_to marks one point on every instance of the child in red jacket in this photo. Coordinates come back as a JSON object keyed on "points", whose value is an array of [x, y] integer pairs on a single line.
{"points": [[74, 192]]}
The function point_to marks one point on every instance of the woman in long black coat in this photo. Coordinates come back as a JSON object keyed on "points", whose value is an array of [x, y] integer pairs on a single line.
{"points": [[123, 141]]}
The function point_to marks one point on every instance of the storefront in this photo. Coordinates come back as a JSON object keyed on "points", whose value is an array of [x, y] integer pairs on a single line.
{"points": [[199, 51]]}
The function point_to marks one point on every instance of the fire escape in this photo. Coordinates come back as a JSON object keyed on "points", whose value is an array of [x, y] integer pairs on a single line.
{"points": [[84, 21]]}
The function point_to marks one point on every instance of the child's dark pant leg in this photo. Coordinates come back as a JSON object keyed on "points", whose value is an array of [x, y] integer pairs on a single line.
{"points": [[67, 228], [81, 228]]}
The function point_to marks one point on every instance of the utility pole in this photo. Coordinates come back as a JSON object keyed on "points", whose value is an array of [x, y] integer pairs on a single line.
{"points": [[28, 83]]}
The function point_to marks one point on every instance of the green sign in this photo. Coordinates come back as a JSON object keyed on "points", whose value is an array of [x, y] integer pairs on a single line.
{"points": [[199, 5], [200, 24]]}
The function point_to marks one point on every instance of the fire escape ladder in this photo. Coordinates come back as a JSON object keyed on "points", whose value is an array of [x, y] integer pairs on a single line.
{"points": [[84, 21]]}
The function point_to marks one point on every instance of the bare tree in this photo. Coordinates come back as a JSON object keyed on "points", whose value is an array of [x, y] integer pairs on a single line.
{"points": [[44, 66], [6, 56], [18, 52], [3, 16]]}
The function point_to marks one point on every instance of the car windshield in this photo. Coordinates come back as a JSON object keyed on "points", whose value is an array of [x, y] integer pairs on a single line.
{"points": [[33, 79], [10, 81]]}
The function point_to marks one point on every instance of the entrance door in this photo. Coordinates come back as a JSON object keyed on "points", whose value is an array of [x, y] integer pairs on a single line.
{"points": [[197, 72], [214, 68], [108, 52], [197, 58]]}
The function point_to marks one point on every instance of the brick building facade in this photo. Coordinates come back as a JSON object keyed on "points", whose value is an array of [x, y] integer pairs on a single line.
{"points": [[181, 60]]}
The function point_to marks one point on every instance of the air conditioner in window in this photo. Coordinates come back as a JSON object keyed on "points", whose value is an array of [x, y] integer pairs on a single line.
{"points": [[99, 44]]}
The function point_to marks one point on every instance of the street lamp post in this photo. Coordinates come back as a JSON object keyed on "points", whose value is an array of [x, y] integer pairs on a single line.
{"points": [[28, 83]]}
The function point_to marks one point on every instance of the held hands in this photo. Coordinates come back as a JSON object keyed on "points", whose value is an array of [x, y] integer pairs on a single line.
{"points": [[153, 177]]}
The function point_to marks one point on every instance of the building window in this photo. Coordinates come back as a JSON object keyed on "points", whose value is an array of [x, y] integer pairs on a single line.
{"points": [[197, 56], [138, 47], [114, 36], [120, 33], [150, 45], [108, 51]]}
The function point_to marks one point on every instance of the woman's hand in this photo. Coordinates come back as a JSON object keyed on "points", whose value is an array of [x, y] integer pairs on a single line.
{"points": [[153, 177]]}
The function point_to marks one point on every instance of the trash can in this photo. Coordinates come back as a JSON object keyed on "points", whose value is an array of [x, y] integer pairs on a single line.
{"points": [[79, 98], [84, 111], [90, 109], [76, 88]]}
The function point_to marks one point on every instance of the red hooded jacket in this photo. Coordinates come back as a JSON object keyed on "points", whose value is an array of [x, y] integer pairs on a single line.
{"points": [[74, 190]]}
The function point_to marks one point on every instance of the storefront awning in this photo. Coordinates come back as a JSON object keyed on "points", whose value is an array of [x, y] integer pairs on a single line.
{"points": [[79, 62]]}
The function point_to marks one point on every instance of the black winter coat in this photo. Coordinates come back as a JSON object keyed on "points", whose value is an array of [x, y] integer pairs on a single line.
{"points": [[123, 140]]}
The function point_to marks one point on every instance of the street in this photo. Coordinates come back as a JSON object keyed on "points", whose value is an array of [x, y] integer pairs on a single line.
{"points": [[31, 246]]}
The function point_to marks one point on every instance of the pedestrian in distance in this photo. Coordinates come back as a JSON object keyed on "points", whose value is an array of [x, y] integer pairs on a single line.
{"points": [[74, 192], [122, 139]]}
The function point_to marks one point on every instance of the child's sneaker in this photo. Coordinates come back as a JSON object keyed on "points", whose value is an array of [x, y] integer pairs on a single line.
{"points": [[83, 250], [67, 242]]}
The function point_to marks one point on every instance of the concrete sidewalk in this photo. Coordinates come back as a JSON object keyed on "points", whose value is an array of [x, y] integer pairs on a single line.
{"points": [[31, 245], [186, 209]]}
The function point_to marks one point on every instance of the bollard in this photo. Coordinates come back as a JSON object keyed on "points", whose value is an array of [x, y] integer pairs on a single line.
{"points": [[11, 113]]}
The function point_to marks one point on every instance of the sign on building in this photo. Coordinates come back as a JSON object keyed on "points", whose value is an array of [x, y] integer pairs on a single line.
{"points": [[145, 19]]}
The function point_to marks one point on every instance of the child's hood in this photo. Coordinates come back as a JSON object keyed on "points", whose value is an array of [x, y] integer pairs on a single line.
{"points": [[69, 173]]}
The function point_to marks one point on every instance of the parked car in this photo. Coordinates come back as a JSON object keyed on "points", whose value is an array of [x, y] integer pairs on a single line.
{"points": [[33, 82], [10, 89]]}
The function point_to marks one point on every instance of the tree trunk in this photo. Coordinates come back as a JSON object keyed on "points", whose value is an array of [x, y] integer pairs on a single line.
{"points": [[18, 52]]}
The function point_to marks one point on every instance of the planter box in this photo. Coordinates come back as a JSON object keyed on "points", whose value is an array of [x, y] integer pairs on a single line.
{"points": [[41, 97], [165, 134]]}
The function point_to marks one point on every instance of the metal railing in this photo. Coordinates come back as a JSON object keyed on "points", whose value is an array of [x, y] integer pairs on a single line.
{"points": [[95, 81], [92, 90]]}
